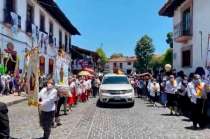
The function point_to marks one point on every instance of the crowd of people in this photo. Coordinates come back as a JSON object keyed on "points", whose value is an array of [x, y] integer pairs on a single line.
{"points": [[11, 84], [182, 94], [51, 100]]}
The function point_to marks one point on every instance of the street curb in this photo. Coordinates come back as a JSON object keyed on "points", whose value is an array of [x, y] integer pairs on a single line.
{"points": [[16, 102]]}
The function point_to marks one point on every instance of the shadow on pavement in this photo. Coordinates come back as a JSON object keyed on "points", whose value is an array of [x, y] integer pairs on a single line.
{"points": [[186, 120], [113, 106], [167, 114], [193, 128]]}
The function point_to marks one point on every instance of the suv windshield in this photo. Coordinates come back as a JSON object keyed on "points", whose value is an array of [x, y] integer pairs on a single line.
{"points": [[115, 80]]}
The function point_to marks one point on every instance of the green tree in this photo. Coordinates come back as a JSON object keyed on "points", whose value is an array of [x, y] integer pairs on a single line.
{"points": [[144, 51], [169, 39], [102, 55], [116, 55], [168, 56], [156, 62]]}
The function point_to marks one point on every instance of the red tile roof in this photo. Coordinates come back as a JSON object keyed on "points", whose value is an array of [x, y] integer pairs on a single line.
{"points": [[123, 59], [169, 7]]}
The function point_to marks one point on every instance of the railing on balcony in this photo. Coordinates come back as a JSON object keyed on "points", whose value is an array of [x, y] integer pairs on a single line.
{"points": [[183, 31], [10, 20]]}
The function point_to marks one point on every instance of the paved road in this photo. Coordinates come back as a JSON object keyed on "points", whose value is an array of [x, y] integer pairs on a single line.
{"points": [[87, 121]]}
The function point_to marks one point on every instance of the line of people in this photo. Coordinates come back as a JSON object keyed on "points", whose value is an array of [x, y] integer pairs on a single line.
{"points": [[183, 95], [51, 101]]}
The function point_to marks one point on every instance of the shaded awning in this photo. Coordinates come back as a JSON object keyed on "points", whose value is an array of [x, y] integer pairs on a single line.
{"points": [[169, 8]]}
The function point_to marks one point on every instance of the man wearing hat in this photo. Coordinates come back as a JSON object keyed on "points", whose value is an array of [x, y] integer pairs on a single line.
{"points": [[197, 95]]}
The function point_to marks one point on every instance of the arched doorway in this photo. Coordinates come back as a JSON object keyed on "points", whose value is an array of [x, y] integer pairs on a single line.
{"points": [[42, 65]]}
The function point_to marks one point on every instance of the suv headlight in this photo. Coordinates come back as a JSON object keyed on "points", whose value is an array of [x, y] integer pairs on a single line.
{"points": [[103, 91], [128, 91]]}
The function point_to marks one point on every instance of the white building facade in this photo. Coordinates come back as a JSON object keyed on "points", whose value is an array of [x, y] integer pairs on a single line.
{"points": [[125, 64], [25, 24], [191, 27]]}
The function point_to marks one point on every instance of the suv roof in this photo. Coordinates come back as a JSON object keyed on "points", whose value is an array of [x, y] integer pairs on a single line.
{"points": [[112, 74]]}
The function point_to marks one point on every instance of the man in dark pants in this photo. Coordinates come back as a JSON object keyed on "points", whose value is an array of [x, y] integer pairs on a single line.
{"points": [[61, 101], [4, 122], [47, 97]]}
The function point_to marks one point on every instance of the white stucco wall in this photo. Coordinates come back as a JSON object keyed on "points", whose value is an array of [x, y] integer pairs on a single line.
{"points": [[201, 22], [26, 41], [201, 19]]}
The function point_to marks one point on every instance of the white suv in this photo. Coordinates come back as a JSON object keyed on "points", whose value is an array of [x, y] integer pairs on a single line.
{"points": [[116, 89]]}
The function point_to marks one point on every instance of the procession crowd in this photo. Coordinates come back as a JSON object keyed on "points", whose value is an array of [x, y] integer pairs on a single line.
{"points": [[182, 94], [51, 100]]}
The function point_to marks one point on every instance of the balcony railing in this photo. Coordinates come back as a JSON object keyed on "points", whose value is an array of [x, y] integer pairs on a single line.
{"points": [[183, 32], [10, 20]]}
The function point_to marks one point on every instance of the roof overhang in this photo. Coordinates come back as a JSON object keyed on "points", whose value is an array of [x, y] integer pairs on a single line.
{"points": [[169, 7], [85, 51], [56, 12]]}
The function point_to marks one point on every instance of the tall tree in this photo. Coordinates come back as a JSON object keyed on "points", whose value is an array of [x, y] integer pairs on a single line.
{"points": [[169, 39], [102, 56], [144, 51], [116, 55], [168, 56]]}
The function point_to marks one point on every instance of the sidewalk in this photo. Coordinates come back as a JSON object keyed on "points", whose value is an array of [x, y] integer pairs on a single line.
{"points": [[12, 99]]}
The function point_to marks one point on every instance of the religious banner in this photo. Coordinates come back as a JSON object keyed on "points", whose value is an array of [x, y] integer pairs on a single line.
{"points": [[33, 77], [61, 71]]}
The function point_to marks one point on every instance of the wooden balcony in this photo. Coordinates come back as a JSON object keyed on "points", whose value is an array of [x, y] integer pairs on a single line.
{"points": [[183, 32]]}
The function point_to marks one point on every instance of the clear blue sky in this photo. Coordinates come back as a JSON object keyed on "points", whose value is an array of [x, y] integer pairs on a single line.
{"points": [[118, 24]]}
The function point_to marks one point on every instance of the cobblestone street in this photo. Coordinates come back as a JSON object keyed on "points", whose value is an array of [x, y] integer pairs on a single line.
{"points": [[87, 121]]}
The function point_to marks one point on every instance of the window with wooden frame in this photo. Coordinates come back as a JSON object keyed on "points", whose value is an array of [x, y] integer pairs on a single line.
{"points": [[187, 57], [42, 22]]}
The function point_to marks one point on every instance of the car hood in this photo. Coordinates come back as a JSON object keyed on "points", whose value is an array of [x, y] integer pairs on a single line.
{"points": [[116, 87]]}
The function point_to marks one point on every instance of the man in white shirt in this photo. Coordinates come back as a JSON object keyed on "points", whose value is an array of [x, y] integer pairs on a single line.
{"points": [[47, 97], [182, 91], [197, 95]]}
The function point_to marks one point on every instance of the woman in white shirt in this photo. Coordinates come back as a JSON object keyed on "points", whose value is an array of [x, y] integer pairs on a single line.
{"points": [[171, 90], [154, 91]]}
